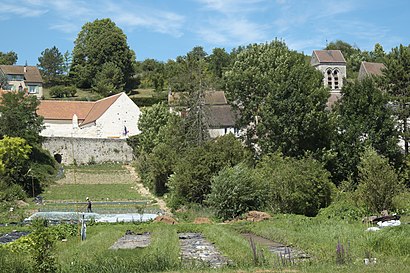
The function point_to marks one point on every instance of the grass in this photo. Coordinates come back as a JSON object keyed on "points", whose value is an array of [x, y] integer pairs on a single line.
{"points": [[82, 95], [96, 192]]}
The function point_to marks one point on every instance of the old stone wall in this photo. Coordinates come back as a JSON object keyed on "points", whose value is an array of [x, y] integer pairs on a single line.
{"points": [[88, 150]]}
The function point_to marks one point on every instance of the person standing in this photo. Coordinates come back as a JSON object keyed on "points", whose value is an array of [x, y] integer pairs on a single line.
{"points": [[89, 205]]}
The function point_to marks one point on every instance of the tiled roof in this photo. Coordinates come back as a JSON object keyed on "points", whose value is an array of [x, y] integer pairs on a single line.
{"points": [[99, 108], [221, 116], [64, 110], [329, 56], [32, 73], [373, 68]]}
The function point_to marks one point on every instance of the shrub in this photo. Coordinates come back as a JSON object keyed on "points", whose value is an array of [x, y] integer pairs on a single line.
{"points": [[70, 91], [344, 208], [57, 91], [401, 202], [191, 181], [235, 191], [378, 181], [299, 186]]}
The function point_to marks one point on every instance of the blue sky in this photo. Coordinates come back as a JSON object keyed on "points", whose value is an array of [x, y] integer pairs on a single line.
{"points": [[164, 29]]}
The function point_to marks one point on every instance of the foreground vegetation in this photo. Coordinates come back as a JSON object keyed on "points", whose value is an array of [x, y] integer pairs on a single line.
{"points": [[317, 236]]}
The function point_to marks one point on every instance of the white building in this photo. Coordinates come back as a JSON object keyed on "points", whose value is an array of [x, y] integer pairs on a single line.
{"points": [[112, 117], [332, 64]]}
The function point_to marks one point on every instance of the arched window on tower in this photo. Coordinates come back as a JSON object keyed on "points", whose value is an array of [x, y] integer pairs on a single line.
{"points": [[336, 79], [329, 78]]}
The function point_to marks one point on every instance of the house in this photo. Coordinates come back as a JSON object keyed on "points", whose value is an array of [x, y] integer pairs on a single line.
{"points": [[332, 64], [112, 117], [220, 116], [370, 69], [23, 78]]}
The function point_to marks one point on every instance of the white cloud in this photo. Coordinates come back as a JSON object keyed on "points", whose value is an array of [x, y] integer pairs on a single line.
{"points": [[233, 32], [12, 10], [232, 6]]}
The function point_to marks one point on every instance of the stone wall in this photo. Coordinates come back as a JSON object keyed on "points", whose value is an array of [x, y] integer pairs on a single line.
{"points": [[88, 150]]}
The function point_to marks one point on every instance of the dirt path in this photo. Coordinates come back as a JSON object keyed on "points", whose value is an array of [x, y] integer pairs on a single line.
{"points": [[144, 191]]}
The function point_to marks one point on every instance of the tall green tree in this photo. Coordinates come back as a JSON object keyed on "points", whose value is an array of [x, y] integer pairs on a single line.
{"points": [[8, 58], [100, 42], [396, 81], [51, 65], [280, 98], [362, 117], [109, 80], [18, 117]]}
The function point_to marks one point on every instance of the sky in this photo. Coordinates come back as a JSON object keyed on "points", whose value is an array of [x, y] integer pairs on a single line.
{"points": [[165, 29]]}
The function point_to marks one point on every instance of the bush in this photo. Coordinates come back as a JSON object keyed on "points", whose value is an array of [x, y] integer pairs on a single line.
{"points": [[378, 181], [70, 90], [235, 191], [57, 91], [191, 182], [344, 208], [401, 202], [299, 186]]}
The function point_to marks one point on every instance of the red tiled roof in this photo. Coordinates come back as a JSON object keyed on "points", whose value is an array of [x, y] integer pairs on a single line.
{"points": [[373, 68], [32, 73], [64, 110], [99, 108], [329, 56]]}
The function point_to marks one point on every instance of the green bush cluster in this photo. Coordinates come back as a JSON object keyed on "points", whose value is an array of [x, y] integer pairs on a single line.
{"points": [[60, 91]]}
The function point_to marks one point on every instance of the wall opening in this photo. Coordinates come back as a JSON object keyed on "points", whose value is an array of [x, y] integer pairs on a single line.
{"points": [[58, 158]]}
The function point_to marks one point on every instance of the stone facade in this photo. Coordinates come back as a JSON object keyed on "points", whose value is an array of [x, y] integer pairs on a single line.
{"points": [[88, 150]]}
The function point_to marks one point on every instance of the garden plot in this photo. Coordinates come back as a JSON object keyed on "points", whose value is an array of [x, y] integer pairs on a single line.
{"points": [[286, 254], [196, 250], [131, 241]]}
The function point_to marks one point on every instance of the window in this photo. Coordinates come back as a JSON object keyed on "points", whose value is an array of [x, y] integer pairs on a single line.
{"points": [[336, 78], [33, 89], [15, 77], [329, 78]]}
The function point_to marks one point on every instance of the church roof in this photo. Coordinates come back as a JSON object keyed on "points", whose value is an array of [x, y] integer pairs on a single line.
{"points": [[329, 56], [372, 68]]}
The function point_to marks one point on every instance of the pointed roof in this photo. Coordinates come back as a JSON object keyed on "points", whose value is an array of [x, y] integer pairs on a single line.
{"points": [[329, 56], [32, 73], [86, 111], [99, 108], [372, 68]]}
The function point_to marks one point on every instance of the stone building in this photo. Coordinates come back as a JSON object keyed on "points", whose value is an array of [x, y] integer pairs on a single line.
{"points": [[332, 64]]}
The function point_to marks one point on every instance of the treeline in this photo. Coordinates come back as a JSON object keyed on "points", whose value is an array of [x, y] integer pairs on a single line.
{"points": [[294, 154]]}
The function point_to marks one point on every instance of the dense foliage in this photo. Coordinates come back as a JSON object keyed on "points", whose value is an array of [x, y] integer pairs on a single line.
{"points": [[363, 117], [101, 49], [8, 58], [235, 191], [51, 66], [300, 186], [280, 98], [378, 181], [191, 181]]}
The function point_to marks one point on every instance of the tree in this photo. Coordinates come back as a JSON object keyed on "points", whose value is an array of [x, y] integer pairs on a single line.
{"points": [[3, 80], [363, 117], [51, 65], [8, 58], [152, 120], [280, 99], [98, 43], [396, 81], [219, 61], [19, 118], [14, 155], [300, 186], [191, 181], [109, 80], [378, 181], [235, 191]]}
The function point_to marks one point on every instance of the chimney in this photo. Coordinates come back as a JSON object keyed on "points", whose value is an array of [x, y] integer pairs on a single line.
{"points": [[25, 68]]}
